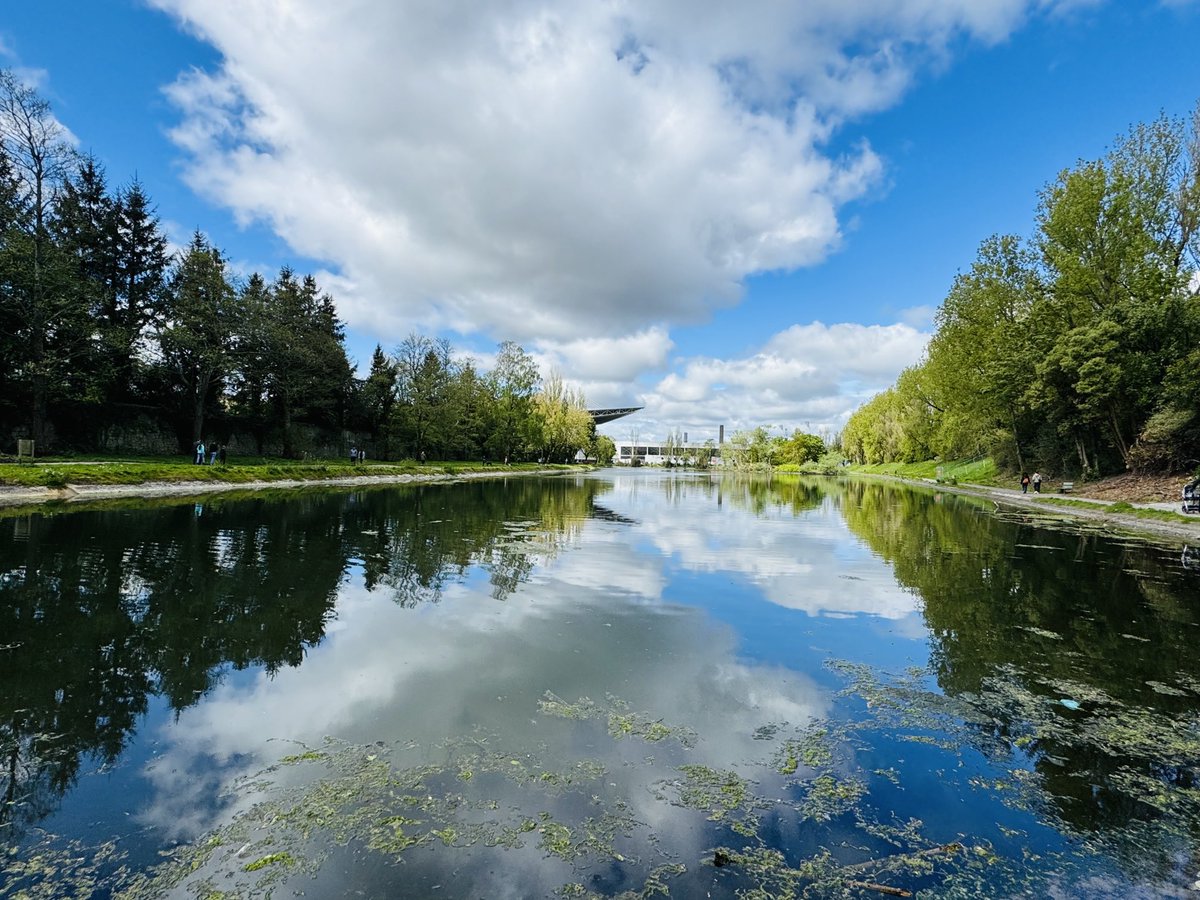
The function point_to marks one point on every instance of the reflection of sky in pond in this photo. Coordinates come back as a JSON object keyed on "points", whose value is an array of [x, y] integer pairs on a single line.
{"points": [[597, 619], [696, 611], [714, 606]]}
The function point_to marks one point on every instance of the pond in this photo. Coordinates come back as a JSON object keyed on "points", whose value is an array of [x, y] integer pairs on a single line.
{"points": [[628, 684]]}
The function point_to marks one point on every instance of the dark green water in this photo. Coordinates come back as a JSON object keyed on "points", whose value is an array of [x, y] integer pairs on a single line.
{"points": [[631, 684]]}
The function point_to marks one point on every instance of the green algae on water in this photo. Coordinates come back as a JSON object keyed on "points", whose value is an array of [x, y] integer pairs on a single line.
{"points": [[621, 722], [474, 794]]}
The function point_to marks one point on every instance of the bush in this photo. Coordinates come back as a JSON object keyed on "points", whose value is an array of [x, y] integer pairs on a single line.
{"points": [[52, 479]]}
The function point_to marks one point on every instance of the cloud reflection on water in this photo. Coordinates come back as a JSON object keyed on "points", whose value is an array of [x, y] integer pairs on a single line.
{"points": [[590, 622]]}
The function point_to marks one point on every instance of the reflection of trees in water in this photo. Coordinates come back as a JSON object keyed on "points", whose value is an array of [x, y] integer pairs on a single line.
{"points": [[101, 610], [755, 493], [1057, 614], [413, 543]]}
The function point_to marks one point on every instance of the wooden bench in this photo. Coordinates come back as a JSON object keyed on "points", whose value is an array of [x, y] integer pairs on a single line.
{"points": [[1067, 487]]}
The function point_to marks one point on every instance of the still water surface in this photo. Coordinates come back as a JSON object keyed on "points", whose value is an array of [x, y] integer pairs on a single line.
{"points": [[627, 684]]}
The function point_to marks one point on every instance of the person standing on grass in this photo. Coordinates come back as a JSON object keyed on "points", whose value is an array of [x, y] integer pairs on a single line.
{"points": [[1025, 483], [215, 452], [199, 453], [1037, 483]]}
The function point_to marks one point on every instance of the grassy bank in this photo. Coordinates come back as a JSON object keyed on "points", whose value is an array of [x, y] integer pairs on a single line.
{"points": [[1121, 508], [970, 471], [53, 473]]}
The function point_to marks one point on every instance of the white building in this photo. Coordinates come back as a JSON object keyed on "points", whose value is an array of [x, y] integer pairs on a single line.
{"points": [[658, 454]]}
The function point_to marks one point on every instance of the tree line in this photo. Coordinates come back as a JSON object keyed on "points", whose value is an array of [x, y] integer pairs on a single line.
{"points": [[1076, 350], [103, 329]]}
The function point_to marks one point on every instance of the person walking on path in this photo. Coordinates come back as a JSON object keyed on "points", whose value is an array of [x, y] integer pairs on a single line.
{"points": [[1025, 483], [215, 452], [1037, 483]]}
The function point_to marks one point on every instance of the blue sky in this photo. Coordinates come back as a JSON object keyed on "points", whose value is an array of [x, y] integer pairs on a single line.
{"points": [[734, 217]]}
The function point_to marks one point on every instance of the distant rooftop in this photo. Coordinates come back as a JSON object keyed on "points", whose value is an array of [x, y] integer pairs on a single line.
{"points": [[607, 415]]}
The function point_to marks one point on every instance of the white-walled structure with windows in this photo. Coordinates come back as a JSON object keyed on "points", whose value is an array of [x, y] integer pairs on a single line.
{"points": [[660, 454]]}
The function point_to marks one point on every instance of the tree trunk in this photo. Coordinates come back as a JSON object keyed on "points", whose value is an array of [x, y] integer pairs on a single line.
{"points": [[288, 450], [199, 396], [1016, 440], [1122, 446], [1083, 457]]}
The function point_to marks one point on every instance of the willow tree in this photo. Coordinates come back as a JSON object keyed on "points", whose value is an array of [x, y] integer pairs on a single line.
{"points": [[565, 424]]}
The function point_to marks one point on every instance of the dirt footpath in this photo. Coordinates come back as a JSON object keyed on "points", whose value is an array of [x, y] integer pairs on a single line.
{"points": [[1132, 488]]}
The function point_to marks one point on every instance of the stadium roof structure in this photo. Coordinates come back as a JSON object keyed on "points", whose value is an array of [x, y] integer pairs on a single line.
{"points": [[600, 416]]}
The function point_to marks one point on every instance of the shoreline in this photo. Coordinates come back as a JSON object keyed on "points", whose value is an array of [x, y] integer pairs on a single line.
{"points": [[82, 493], [70, 494], [1179, 532]]}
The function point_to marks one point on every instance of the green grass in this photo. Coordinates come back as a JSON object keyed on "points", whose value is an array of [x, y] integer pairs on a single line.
{"points": [[969, 471], [1123, 509], [57, 473]]}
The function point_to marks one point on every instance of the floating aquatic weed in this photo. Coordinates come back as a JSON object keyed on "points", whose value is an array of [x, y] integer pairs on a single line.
{"points": [[656, 885], [823, 875], [1140, 762], [813, 749], [282, 858], [828, 797], [768, 871], [362, 797], [306, 756], [621, 722], [479, 796], [55, 868], [724, 795]]}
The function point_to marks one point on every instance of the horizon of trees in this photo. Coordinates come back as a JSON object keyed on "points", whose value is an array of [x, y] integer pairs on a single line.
{"points": [[104, 332], [1076, 350]]}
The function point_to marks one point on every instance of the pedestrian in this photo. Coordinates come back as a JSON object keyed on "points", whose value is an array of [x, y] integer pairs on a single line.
{"points": [[362, 454], [1025, 483], [353, 455], [199, 453], [215, 452], [1037, 483]]}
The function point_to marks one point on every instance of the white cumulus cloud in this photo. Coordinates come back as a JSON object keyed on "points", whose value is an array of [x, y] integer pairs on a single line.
{"points": [[808, 376], [547, 171]]}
